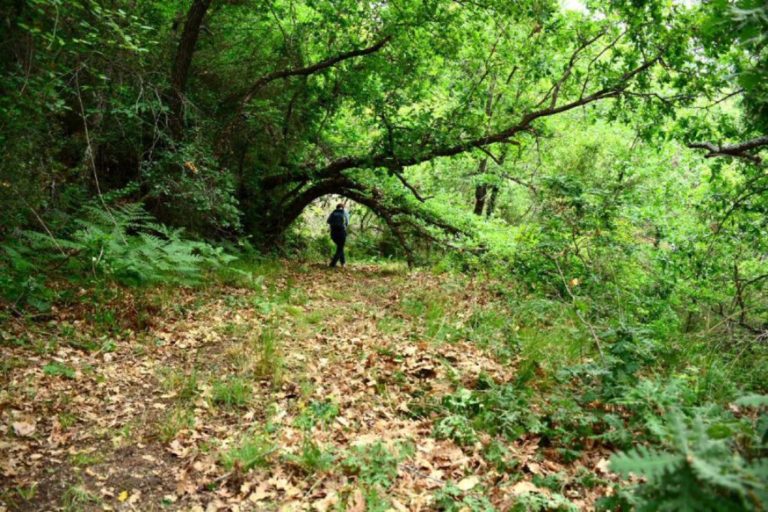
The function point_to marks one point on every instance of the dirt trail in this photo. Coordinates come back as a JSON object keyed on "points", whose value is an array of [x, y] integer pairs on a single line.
{"points": [[304, 392]]}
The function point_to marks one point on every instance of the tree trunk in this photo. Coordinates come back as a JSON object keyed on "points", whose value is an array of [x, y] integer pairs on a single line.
{"points": [[182, 62], [492, 201], [481, 191]]}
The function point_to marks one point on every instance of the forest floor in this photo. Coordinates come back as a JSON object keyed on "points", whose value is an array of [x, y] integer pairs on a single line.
{"points": [[308, 389]]}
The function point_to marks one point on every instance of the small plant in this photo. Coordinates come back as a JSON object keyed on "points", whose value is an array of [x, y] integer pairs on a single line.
{"points": [[175, 421], [250, 452], [24, 493], [183, 385], [67, 419], [374, 465], [323, 412], [491, 408], [313, 458], [269, 363], [539, 502], [76, 497], [232, 392], [457, 428], [55, 369], [452, 499], [84, 459], [499, 456]]}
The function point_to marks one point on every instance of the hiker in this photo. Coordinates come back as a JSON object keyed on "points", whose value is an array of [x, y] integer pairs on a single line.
{"points": [[339, 220]]}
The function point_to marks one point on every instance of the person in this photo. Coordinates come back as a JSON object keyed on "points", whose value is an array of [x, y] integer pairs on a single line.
{"points": [[338, 220]]}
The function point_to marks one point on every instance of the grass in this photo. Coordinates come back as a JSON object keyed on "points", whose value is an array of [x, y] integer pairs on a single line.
{"points": [[250, 452], [231, 392], [55, 369], [312, 458], [85, 459], [269, 361], [177, 420], [10, 364], [434, 315], [183, 385], [77, 497], [12, 495], [67, 419]]}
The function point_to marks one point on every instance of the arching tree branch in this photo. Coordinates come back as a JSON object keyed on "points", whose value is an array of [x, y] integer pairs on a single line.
{"points": [[387, 161]]}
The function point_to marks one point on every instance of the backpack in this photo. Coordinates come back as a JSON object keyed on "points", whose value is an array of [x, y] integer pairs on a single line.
{"points": [[336, 220]]}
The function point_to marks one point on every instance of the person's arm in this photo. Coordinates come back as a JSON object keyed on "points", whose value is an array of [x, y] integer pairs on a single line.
{"points": [[329, 219]]}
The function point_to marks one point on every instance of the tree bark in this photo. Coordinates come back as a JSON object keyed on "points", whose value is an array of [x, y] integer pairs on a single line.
{"points": [[739, 150], [182, 63], [492, 201], [481, 190]]}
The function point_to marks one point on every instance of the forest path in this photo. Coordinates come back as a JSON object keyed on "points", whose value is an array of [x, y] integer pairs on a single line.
{"points": [[308, 389]]}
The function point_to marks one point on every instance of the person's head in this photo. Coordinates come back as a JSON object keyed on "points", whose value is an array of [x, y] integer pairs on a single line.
{"points": [[340, 206]]}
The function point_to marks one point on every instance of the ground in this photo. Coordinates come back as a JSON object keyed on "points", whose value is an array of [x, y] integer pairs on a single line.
{"points": [[299, 388]]}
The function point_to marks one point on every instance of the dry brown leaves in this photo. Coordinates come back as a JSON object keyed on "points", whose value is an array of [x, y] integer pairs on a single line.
{"points": [[100, 428]]}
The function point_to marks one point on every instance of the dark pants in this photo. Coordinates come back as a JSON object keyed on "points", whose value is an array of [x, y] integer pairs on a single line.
{"points": [[339, 238]]}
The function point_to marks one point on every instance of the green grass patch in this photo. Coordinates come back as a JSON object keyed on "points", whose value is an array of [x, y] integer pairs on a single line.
{"points": [[55, 369], [252, 451], [231, 392]]}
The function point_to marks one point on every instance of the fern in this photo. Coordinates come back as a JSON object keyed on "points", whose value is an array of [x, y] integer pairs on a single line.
{"points": [[123, 244], [647, 462], [754, 401], [694, 470]]}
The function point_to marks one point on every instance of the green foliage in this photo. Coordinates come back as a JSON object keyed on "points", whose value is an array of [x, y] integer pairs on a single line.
{"points": [[626, 273], [317, 412], [252, 451], [496, 409], [452, 499], [120, 244], [374, 465], [231, 392], [312, 458], [538, 502], [702, 465], [55, 369]]}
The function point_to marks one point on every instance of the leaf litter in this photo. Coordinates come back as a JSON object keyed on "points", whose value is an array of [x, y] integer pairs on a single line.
{"points": [[148, 424]]}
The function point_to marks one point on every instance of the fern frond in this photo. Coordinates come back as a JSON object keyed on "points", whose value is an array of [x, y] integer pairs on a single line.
{"points": [[754, 401], [647, 462]]}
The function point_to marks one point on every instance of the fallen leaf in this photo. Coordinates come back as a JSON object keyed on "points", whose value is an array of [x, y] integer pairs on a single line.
{"points": [[603, 466], [523, 487], [122, 496], [468, 483], [356, 502], [24, 428]]}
